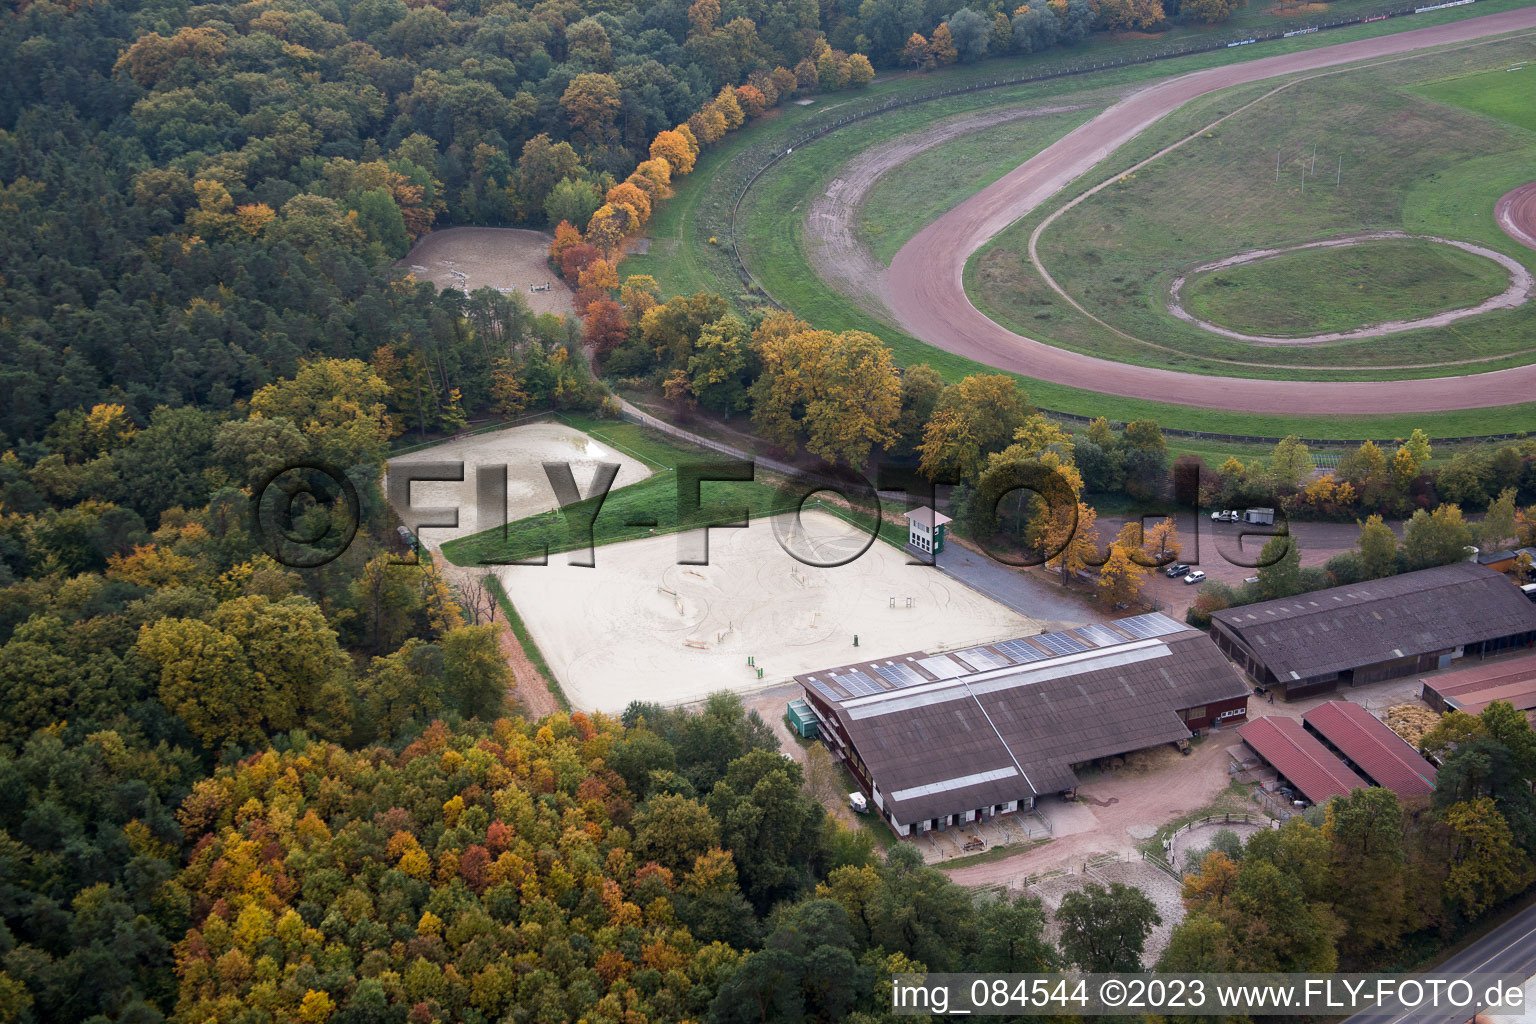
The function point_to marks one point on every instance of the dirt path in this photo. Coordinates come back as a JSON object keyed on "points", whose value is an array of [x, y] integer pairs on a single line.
{"points": [[833, 248], [927, 295], [529, 685], [1175, 785], [1521, 284], [1516, 214]]}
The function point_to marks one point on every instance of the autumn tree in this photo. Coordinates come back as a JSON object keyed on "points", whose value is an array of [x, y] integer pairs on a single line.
{"points": [[672, 147], [941, 47], [338, 404], [591, 102], [1436, 538], [837, 394], [1290, 461], [1486, 865], [1279, 569], [1498, 524], [604, 327], [1121, 577], [1367, 866], [1378, 548], [916, 53], [254, 669]]}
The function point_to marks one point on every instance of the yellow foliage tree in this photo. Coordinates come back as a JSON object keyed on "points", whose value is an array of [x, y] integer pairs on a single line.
{"points": [[1121, 577]]}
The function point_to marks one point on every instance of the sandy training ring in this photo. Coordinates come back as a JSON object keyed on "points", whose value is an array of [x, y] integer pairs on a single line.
{"points": [[1521, 285]]}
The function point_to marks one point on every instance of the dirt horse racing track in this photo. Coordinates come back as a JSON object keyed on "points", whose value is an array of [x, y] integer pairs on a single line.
{"points": [[925, 291]]}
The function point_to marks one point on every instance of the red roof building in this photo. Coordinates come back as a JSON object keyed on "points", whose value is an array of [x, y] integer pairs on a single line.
{"points": [[1473, 689], [1376, 752], [1298, 756]]}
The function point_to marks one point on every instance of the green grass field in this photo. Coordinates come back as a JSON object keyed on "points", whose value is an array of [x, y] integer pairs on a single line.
{"points": [[683, 260], [1504, 93], [1318, 290], [1382, 150]]}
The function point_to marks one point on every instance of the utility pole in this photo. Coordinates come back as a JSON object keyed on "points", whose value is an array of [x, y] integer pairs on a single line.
{"points": [[1277, 167], [1338, 175]]}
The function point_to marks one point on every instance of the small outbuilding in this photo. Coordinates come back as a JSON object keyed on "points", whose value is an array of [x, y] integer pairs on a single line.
{"points": [[803, 720], [925, 530]]}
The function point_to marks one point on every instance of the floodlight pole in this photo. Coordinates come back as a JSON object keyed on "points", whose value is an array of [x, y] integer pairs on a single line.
{"points": [[1277, 167], [1338, 175]]}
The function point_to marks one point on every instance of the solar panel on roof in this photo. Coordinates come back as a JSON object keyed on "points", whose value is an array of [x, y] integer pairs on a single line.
{"points": [[1061, 643], [1152, 624], [1099, 634], [980, 658], [825, 690], [944, 667], [858, 684], [1021, 651], [900, 674]]}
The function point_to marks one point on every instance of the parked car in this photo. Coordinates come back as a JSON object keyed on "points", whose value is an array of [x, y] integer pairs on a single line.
{"points": [[1176, 569], [1226, 515], [1195, 577]]}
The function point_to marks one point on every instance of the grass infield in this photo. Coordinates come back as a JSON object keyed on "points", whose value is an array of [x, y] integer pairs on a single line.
{"points": [[1312, 291]]}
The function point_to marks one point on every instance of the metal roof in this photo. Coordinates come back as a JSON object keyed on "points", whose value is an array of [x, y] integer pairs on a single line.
{"points": [[1012, 732], [1473, 689], [1298, 755], [1376, 751], [928, 517], [1414, 613], [1467, 685]]}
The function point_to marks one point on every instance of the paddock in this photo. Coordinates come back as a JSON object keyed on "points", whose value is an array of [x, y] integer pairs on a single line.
{"points": [[508, 259], [640, 626]]}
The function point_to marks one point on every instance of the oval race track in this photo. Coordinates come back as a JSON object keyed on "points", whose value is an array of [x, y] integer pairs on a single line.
{"points": [[926, 292]]}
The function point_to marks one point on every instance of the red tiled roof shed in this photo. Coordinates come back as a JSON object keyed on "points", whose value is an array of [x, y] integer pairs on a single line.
{"points": [[1380, 754], [1298, 755]]}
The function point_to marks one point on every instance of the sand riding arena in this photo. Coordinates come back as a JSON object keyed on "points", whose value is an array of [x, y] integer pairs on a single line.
{"points": [[640, 626], [523, 450], [511, 260]]}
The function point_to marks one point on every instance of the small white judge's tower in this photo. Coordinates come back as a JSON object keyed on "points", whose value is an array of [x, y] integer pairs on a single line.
{"points": [[925, 530]]}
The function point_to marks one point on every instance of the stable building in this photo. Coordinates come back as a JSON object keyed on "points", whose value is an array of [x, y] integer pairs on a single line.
{"points": [[936, 740], [1472, 689], [1381, 629], [1370, 748], [1300, 758]]}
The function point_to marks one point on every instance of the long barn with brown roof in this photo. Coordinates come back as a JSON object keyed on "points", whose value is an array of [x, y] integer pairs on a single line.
{"points": [[942, 739], [1381, 629]]}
